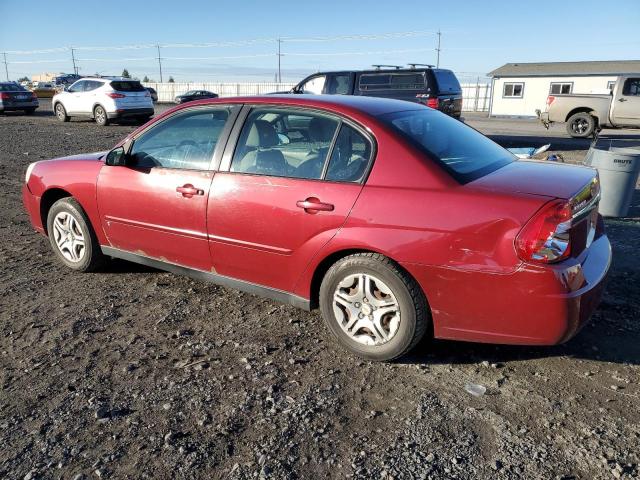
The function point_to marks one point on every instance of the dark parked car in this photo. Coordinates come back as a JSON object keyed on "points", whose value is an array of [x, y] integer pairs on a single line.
{"points": [[392, 218], [192, 95], [66, 79], [153, 93], [434, 87], [15, 97]]}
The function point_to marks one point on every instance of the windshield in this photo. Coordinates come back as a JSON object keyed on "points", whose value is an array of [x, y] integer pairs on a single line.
{"points": [[127, 86], [11, 87], [464, 152]]}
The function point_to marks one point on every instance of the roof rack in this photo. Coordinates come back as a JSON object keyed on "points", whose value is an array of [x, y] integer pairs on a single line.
{"points": [[414, 65], [378, 67]]}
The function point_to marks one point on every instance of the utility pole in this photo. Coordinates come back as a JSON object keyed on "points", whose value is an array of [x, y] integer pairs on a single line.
{"points": [[279, 57], [438, 50], [6, 69], [159, 62], [73, 59]]}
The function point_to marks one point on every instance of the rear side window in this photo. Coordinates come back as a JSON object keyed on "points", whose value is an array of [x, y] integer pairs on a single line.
{"points": [[447, 81], [464, 152], [350, 156], [122, 86], [392, 81]]}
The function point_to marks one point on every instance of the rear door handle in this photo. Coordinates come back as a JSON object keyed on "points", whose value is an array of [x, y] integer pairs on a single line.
{"points": [[313, 205], [189, 190], [622, 100]]}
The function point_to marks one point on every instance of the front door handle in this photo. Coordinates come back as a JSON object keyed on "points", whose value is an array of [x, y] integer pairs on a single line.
{"points": [[313, 205], [189, 190]]}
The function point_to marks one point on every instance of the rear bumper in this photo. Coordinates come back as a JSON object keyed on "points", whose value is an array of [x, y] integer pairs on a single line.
{"points": [[13, 106], [131, 112], [544, 118], [536, 305], [32, 206]]}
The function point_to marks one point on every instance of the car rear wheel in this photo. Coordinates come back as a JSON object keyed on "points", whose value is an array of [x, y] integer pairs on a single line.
{"points": [[61, 113], [71, 236], [373, 307], [100, 116], [581, 125]]}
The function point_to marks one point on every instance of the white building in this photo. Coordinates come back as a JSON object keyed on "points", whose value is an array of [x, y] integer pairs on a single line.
{"points": [[518, 89]]}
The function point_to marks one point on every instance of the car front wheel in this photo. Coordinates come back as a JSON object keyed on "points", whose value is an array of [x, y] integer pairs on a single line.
{"points": [[61, 113], [373, 307], [71, 236]]}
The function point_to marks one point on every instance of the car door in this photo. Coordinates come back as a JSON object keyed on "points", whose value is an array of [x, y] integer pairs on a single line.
{"points": [[281, 194], [626, 108], [73, 98], [155, 205]]}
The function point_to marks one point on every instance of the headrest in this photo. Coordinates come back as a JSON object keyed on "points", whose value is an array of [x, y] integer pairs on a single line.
{"points": [[262, 134], [321, 129]]}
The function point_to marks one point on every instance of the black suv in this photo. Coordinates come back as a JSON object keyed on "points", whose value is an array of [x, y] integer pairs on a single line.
{"points": [[435, 87]]}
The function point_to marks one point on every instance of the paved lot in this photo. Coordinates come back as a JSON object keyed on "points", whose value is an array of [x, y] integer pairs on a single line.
{"points": [[136, 373]]}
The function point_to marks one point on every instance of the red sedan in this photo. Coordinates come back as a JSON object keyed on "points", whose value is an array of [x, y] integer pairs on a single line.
{"points": [[392, 218]]}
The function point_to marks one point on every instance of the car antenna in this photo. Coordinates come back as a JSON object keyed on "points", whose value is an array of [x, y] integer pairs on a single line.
{"points": [[414, 65], [378, 67]]}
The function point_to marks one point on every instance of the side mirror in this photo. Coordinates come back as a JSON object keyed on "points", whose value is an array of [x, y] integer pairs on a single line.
{"points": [[116, 157], [66, 88]]}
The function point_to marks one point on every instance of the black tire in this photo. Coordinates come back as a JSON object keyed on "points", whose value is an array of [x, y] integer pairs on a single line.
{"points": [[581, 125], [413, 308], [61, 112], [100, 116], [29, 111], [92, 257]]}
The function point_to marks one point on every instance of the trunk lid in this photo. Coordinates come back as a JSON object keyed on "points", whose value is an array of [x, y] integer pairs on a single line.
{"points": [[553, 180], [577, 186]]}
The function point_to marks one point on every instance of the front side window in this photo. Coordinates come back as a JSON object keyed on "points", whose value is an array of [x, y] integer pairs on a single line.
{"points": [[561, 88], [284, 143], [92, 85], [78, 86], [185, 141], [513, 90], [464, 152], [314, 85], [631, 87]]}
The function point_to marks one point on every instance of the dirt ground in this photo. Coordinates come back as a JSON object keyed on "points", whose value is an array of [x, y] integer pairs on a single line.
{"points": [[136, 373]]}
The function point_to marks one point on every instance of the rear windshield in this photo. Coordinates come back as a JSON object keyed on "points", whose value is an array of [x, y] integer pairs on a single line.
{"points": [[447, 81], [11, 87], [123, 86], [464, 152], [392, 81]]}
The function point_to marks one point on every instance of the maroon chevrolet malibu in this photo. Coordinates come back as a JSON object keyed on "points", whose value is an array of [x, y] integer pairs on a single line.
{"points": [[392, 218]]}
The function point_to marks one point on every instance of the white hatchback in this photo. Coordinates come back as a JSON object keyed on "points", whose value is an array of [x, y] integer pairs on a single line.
{"points": [[104, 99]]}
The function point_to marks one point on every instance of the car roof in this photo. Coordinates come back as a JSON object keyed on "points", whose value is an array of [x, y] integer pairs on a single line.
{"points": [[385, 70], [372, 106]]}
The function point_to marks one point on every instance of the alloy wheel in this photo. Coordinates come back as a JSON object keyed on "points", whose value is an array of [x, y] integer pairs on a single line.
{"points": [[68, 237], [366, 309]]}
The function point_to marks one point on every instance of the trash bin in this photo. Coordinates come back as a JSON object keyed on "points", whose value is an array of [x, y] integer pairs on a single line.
{"points": [[618, 168]]}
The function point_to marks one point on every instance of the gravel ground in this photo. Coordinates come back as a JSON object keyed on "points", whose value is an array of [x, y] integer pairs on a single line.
{"points": [[136, 373]]}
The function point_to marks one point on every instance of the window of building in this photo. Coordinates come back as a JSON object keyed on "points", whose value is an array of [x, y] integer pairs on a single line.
{"points": [[558, 88], [513, 90]]}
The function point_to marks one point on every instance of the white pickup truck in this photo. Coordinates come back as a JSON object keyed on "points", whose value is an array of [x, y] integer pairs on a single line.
{"points": [[587, 114]]}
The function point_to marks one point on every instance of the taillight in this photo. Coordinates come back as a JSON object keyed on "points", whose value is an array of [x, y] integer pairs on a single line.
{"points": [[546, 237], [147, 94], [4, 96], [550, 100], [433, 103], [115, 95]]}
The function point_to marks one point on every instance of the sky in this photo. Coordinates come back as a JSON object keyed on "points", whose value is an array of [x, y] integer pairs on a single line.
{"points": [[236, 40]]}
